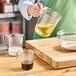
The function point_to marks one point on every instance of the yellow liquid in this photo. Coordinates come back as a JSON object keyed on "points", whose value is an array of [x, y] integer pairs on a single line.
{"points": [[44, 30]]}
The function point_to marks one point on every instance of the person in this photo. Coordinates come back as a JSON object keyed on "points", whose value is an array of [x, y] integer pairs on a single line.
{"points": [[67, 8], [29, 8]]}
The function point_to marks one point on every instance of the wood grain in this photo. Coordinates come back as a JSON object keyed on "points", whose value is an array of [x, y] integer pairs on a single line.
{"points": [[9, 66], [50, 51]]}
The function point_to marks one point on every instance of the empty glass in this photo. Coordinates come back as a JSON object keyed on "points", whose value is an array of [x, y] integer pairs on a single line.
{"points": [[67, 39], [15, 44], [47, 22]]}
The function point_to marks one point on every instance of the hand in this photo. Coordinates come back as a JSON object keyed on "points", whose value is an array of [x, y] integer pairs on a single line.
{"points": [[35, 10]]}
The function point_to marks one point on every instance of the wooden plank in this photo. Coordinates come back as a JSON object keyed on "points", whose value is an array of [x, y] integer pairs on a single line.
{"points": [[50, 51], [9, 66]]}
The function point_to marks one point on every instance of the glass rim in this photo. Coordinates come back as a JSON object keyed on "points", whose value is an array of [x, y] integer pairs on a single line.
{"points": [[65, 31], [28, 51], [16, 34], [69, 35]]}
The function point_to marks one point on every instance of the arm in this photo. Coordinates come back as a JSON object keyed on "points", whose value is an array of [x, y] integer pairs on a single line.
{"points": [[29, 9], [23, 6]]}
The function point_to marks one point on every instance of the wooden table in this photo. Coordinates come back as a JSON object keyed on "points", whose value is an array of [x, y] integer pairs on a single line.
{"points": [[9, 66], [50, 51]]}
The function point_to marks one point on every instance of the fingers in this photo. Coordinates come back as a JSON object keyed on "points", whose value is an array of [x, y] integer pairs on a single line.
{"points": [[35, 9], [36, 13], [38, 6]]}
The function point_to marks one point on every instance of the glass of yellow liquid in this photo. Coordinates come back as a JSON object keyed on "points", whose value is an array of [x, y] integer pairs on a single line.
{"points": [[47, 22]]}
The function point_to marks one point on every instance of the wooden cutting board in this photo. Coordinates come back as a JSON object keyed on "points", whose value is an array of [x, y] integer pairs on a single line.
{"points": [[50, 51]]}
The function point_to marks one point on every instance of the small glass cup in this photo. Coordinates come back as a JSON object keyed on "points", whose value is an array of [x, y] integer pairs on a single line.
{"points": [[15, 44], [27, 59]]}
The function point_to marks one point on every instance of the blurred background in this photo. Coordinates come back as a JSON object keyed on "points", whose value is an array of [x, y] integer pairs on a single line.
{"points": [[11, 21]]}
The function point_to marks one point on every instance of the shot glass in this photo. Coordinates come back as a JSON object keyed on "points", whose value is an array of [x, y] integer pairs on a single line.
{"points": [[15, 44], [27, 59]]}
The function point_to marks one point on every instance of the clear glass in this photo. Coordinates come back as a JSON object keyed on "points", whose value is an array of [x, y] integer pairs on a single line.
{"points": [[27, 59], [15, 44], [47, 22], [3, 41], [67, 39]]}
